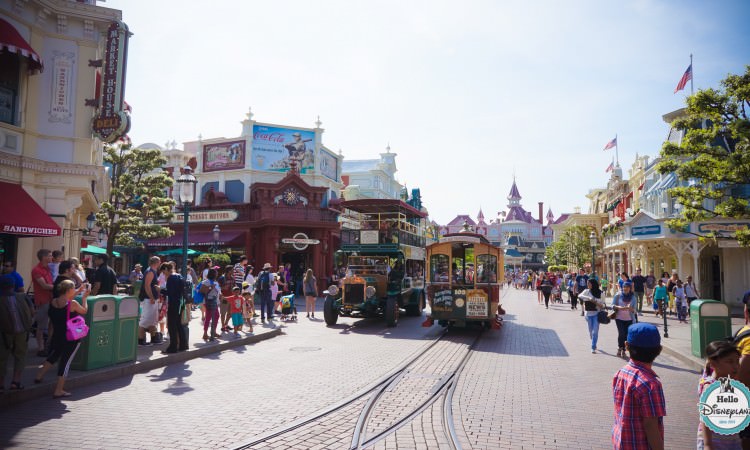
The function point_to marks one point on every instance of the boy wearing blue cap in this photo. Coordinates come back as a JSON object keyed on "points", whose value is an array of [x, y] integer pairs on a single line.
{"points": [[638, 395]]}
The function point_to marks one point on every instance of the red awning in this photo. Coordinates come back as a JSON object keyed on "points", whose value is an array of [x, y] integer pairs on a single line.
{"points": [[22, 215], [199, 239], [11, 40]]}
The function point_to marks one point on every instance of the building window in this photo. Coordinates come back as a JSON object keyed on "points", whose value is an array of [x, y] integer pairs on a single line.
{"points": [[376, 183], [235, 190], [10, 83]]}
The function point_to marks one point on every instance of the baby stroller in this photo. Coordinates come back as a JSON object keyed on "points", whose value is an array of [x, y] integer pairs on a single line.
{"points": [[556, 295], [288, 310]]}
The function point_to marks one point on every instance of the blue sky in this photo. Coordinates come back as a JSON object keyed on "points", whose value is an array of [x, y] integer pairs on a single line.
{"points": [[466, 93]]}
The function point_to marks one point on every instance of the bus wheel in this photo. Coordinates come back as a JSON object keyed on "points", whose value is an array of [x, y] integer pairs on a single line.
{"points": [[330, 314], [391, 312]]}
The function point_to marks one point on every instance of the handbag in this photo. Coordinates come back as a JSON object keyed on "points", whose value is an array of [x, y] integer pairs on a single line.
{"points": [[602, 317], [185, 315], [76, 327]]}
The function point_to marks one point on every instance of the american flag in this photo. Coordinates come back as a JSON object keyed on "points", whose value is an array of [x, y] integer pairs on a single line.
{"points": [[611, 144], [610, 167], [687, 76]]}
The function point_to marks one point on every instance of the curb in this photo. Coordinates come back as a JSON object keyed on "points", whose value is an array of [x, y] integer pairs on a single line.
{"points": [[691, 362], [111, 373]]}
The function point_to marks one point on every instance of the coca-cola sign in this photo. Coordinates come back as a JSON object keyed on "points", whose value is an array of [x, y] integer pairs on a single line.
{"points": [[111, 121]]}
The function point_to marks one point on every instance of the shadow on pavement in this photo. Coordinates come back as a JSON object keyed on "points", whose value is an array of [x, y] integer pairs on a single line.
{"points": [[675, 368], [517, 339], [52, 410], [178, 372]]}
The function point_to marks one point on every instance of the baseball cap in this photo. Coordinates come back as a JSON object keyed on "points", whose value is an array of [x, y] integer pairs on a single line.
{"points": [[644, 335], [628, 284]]}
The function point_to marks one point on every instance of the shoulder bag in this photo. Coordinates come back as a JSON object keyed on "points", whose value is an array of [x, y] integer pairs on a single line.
{"points": [[76, 327]]}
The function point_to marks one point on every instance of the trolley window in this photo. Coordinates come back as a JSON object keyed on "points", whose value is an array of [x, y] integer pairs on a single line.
{"points": [[486, 269], [462, 266], [439, 268]]}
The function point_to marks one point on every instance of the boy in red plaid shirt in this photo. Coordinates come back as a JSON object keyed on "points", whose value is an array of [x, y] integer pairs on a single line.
{"points": [[639, 399]]}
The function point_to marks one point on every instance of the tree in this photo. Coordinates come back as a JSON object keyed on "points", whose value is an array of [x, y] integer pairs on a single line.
{"points": [[137, 197], [714, 156], [571, 249]]}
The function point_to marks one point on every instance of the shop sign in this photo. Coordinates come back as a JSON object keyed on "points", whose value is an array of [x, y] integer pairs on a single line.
{"points": [[223, 156], [721, 228], [369, 237], [442, 301], [300, 241], [62, 81], [277, 149], [111, 121], [646, 230], [224, 215]]}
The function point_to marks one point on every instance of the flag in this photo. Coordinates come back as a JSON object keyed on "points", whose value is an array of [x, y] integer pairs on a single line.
{"points": [[610, 167], [610, 144], [687, 76]]}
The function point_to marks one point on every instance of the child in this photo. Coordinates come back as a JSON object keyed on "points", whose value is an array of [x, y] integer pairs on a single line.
{"points": [[660, 297], [722, 360], [638, 396], [236, 306], [249, 311], [678, 291]]}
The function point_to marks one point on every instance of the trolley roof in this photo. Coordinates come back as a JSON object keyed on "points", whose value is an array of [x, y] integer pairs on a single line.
{"points": [[463, 237], [381, 205]]}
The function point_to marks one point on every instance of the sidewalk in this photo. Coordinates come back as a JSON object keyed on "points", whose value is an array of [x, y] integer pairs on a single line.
{"points": [[147, 358], [678, 343]]}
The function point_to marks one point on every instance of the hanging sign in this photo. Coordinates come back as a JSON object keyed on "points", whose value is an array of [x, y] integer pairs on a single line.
{"points": [[111, 121], [300, 241]]}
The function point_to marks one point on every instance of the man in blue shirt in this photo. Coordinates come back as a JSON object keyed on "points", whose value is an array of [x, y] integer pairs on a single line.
{"points": [[9, 271]]}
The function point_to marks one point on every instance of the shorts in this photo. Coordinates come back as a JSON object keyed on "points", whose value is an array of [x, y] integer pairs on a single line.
{"points": [[149, 314], [42, 317], [237, 319]]}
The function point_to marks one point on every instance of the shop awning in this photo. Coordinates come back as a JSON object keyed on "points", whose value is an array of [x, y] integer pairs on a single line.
{"points": [[22, 215], [200, 239], [178, 252], [12, 41], [94, 250]]}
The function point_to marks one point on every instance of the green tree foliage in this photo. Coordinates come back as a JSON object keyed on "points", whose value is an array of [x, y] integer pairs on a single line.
{"points": [[218, 259], [715, 153], [572, 248], [137, 194]]}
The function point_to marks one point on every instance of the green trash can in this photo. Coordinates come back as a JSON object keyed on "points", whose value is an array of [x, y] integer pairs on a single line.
{"points": [[97, 349], [710, 321], [126, 329], [136, 288]]}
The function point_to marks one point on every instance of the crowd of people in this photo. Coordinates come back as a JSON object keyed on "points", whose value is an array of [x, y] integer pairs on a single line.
{"points": [[59, 289]]}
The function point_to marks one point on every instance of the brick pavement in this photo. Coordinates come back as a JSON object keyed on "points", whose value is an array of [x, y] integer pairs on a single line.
{"points": [[224, 399], [535, 384]]}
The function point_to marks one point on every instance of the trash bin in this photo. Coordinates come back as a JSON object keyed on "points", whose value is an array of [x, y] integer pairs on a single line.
{"points": [[97, 349], [710, 321], [126, 329], [136, 288]]}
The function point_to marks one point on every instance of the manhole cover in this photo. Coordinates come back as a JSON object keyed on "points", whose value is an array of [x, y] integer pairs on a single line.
{"points": [[305, 349]]}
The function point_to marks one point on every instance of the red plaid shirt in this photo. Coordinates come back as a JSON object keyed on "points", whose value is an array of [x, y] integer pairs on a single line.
{"points": [[637, 393]]}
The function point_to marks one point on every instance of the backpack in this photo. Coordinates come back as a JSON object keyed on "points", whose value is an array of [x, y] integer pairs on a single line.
{"points": [[197, 294], [738, 337], [263, 283]]}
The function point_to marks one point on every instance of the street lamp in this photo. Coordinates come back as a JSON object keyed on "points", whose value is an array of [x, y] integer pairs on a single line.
{"points": [[101, 236], [90, 220], [216, 238], [187, 195], [592, 242]]}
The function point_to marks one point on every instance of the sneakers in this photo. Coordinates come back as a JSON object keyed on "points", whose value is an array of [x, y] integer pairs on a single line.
{"points": [[593, 350], [157, 338]]}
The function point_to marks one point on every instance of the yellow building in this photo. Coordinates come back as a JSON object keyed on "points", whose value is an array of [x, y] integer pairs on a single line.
{"points": [[51, 173]]}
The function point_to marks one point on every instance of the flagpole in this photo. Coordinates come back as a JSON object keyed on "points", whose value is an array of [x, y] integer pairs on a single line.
{"points": [[692, 74], [617, 150]]}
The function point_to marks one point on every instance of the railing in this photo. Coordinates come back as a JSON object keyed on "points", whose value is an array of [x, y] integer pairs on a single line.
{"points": [[401, 237]]}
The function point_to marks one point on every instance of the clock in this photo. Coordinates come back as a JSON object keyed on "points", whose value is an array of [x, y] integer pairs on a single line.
{"points": [[290, 196]]}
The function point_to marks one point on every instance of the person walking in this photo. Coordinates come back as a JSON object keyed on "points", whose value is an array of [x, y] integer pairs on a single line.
{"points": [[15, 323], [227, 283], [592, 303], [691, 292], [42, 282], [311, 292], [212, 293], [639, 288], [263, 290], [545, 287], [660, 298], [175, 302], [624, 304], [678, 291], [61, 308], [149, 296]]}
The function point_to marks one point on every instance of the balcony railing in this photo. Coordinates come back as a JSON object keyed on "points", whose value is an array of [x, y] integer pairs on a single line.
{"points": [[379, 237]]}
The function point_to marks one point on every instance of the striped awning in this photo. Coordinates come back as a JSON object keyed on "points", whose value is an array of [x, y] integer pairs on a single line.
{"points": [[12, 41]]}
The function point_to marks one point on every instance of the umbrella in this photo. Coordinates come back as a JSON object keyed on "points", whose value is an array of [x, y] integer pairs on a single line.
{"points": [[178, 252], [94, 250]]}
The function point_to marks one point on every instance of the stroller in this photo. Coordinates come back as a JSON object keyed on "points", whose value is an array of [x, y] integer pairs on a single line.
{"points": [[288, 310]]}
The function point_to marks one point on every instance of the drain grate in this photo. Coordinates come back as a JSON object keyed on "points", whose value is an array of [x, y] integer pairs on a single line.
{"points": [[305, 349]]}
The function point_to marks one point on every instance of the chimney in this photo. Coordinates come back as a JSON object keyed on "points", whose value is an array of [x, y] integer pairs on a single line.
{"points": [[541, 212]]}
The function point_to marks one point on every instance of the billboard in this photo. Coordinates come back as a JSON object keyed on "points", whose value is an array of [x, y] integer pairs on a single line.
{"points": [[276, 149], [329, 164], [224, 156]]}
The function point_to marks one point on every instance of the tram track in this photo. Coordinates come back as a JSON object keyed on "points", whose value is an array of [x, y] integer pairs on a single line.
{"points": [[387, 406]]}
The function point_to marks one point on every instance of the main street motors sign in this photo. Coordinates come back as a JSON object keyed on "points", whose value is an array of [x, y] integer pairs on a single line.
{"points": [[300, 241], [223, 215]]}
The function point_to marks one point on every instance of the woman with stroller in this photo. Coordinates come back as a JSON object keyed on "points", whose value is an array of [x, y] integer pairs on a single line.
{"points": [[309, 285]]}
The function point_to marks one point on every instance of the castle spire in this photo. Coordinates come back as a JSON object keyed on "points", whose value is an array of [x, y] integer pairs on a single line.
{"points": [[514, 197]]}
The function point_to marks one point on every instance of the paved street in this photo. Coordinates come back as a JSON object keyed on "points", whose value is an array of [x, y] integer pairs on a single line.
{"points": [[533, 384]]}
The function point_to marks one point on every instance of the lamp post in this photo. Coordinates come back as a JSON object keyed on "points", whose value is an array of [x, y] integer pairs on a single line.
{"points": [[187, 195], [592, 242], [217, 231], [90, 220]]}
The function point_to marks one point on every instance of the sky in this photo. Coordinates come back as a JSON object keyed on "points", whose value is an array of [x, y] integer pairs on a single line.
{"points": [[468, 94]]}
